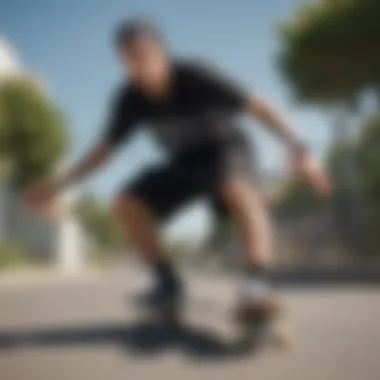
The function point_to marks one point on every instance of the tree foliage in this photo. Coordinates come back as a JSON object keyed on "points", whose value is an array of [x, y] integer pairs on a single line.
{"points": [[365, 154], [330, 55], [368, 156], [12, 256], [32, 131], [331, 49], [338, 156]]}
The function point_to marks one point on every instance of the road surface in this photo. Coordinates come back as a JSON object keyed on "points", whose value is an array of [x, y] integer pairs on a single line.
{"points": [[86, 328]]}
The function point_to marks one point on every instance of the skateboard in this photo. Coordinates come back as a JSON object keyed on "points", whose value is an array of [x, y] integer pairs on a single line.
{"points": [[256, 327], [260, 326]]}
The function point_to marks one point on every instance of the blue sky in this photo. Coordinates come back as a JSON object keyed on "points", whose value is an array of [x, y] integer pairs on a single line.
{"points": [[68, 44]]}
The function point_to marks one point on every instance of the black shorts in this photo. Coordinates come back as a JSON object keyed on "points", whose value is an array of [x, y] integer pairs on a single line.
{"points": [[195, 173]]}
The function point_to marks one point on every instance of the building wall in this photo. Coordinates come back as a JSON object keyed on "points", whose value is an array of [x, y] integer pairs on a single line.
{"points": [[33, 231], [53, 235]]}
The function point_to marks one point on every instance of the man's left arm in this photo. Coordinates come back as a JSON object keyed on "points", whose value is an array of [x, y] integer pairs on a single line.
{"points": [[302, 162], [229, 94], [274, 122]]}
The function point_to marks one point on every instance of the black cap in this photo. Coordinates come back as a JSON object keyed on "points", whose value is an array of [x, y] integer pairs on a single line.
{"points": [[129, 30]]}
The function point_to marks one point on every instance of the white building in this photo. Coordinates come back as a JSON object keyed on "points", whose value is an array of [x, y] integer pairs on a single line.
{"points": [[9, 63], [55, 233]]}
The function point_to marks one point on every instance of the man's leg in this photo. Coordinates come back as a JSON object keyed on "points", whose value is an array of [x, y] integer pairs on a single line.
{"points": [[247, 210], [153, 195], [140, 227]]}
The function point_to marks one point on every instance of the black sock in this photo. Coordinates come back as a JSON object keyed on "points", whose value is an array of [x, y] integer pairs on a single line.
{"points": [[166, 276]]}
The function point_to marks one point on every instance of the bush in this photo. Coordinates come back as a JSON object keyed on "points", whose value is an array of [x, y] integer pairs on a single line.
{"points": [[12, 256]]}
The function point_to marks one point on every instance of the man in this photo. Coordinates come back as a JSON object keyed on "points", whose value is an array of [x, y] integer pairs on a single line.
{"points": [[192, 111]]}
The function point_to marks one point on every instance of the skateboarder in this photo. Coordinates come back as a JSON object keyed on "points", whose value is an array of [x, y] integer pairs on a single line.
{"points": [[192, 109]]}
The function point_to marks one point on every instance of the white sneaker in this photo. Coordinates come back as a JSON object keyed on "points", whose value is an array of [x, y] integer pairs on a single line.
{"points": [[256, 300], [254, 289]]}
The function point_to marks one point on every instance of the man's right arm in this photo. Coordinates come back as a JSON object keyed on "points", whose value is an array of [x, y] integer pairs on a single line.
{"points": [[123, 117], [120, 123], [96, 158]]}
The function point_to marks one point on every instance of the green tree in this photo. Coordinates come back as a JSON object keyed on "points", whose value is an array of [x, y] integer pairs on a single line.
{"points": [[12, 256], [368, 153], [32, 132], [329, 57], [331, 50], [365, 152], [368, 148]]}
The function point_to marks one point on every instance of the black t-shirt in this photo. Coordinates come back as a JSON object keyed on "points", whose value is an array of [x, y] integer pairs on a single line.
{"points": [[201, 107]]}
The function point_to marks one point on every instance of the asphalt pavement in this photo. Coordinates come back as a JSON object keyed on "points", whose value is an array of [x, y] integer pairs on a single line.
{"points": [[88, 327]]}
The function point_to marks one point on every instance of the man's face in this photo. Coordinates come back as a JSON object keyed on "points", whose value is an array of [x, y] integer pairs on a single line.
{"points": [[145, 61]]}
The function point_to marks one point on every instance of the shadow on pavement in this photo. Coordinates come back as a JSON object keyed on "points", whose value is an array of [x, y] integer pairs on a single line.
{"points": [[139, 339]]}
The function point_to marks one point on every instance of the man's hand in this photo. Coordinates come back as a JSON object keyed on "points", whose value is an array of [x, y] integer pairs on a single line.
{"points": [[306, 168], [38, 195], [41, 193]]}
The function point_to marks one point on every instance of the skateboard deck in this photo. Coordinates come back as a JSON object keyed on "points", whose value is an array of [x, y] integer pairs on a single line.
{"points": [[262, 333], [251, 334]]}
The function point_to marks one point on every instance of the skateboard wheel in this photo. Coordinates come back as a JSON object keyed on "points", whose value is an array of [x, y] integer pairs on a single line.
{"points": [[282, 335]]}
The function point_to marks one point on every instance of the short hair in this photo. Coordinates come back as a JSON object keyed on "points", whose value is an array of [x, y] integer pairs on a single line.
{"points": [[129, 30]]}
